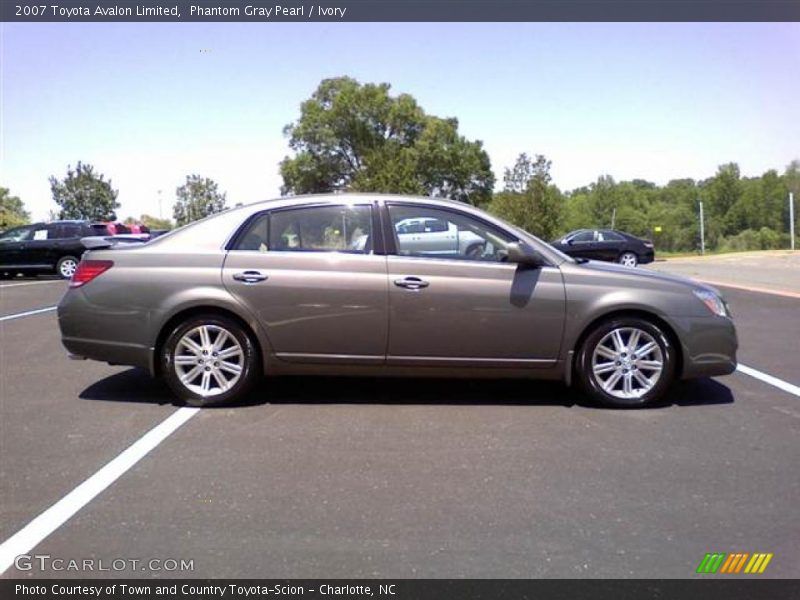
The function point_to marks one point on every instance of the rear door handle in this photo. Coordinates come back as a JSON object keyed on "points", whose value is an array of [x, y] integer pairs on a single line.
{"points": [[250, 276], [411, 283]]}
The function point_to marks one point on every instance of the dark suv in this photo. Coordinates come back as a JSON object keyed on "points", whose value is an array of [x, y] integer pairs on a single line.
{"points": [[44, 247]]}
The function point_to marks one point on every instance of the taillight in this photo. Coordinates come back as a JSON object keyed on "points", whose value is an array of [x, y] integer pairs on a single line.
{"points": [[88, 270]]}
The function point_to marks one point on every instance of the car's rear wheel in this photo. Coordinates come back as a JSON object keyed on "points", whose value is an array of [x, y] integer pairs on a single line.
{"points": [[209, 360], [626, 362], [66, 266], [628, 259]]}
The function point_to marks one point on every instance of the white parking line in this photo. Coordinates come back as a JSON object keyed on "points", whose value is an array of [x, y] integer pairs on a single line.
{"points": [[12, 285], [46, 523], [28, 313], [774, 381]]}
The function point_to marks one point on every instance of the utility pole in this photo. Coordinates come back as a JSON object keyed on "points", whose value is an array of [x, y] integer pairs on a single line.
{"points": [[160, 213], [613, 217], [791, 219], [702, 231]]}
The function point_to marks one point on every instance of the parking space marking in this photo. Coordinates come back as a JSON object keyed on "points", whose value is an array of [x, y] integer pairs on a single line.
{"points": [[773, 381], [13, 285], [27, 538], [28, 313]]}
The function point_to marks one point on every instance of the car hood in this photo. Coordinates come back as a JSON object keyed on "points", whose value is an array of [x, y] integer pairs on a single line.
{"points": [[640, 274]]}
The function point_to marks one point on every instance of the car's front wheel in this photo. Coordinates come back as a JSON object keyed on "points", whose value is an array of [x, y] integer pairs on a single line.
{"points": [[626, 362], [66, 266], [209, 360]]}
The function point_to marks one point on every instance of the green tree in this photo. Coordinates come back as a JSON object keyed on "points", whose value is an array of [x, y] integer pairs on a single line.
{"points": [[357, 137], [198, 198], [603, 201], [722, 192], [517, 178], [577, 211], [534, 205], [12, 211], [84, 194]]}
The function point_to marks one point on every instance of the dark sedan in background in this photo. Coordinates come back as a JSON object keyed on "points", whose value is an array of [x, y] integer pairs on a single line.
{"points": [[607, 244]]}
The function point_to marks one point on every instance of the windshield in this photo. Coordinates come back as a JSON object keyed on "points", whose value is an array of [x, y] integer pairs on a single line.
{"points": [[17, 234]]}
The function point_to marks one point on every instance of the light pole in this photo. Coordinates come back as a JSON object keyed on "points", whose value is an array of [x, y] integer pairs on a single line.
{"points": [[160, 213], [791, 219], [702, 231]]}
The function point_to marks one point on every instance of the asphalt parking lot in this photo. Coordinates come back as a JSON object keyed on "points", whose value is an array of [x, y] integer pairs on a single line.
{"points": [[339, 478]]}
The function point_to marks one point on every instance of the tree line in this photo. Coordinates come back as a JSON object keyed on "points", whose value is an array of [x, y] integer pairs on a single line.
{"points": [[359, 137]]}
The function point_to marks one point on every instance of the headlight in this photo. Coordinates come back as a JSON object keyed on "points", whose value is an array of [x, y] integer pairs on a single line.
{"points": [[714, 303]]}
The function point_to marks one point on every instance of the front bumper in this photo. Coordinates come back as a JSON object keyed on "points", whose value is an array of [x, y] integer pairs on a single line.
{"points": [[709, 346]]}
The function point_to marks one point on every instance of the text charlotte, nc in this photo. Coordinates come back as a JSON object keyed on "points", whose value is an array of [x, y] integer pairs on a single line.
{"points": [[275, 11]]}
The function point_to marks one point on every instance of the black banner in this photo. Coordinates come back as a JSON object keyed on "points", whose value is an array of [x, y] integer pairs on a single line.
{"points": [[402, 589], [266, 11]]}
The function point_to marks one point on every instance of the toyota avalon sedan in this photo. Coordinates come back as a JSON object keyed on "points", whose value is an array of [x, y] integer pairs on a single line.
{"points": [[355, 285]]}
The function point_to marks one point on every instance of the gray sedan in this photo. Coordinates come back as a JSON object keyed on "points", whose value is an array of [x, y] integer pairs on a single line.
{"points": [[327, 285]]}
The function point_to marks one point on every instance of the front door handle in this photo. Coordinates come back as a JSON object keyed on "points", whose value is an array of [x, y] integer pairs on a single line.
{"points": [[411, 283], [250, 276]]}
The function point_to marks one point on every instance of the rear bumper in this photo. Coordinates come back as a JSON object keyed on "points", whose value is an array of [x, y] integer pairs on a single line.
{"points": [[110, 352], [85, 330]]}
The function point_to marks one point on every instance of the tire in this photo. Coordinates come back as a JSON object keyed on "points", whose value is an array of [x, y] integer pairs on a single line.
{"points": [[607, 369], [628, 259], [196, 375], [66, 266]]}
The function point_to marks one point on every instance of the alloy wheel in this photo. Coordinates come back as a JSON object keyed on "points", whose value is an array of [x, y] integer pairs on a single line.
{"points": [[67, 268], [628, 260], [208, 360], [627, 363]]}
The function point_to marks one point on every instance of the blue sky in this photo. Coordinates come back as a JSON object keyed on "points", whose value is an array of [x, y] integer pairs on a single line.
{"points": [[148, 104]]}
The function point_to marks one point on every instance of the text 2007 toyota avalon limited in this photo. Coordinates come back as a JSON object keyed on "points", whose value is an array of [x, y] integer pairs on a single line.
{"points": [[386, 285]]}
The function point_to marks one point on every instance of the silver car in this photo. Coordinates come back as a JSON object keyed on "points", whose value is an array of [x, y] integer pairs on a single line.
{"points": [[330, 285]]}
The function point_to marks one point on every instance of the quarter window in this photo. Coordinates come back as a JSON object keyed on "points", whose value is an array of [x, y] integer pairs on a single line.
{"points": [[435, 233]]}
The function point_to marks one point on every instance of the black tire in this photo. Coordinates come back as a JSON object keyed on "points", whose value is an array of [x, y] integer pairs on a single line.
{"points": [[250, 362], [592, 384], [66, 266]]}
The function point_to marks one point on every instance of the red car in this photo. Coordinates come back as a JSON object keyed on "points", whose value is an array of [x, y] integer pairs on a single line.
{"points": [[109, 228]]}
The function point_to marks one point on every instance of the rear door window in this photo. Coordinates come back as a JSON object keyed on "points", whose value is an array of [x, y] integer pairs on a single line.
{"points": [[311, 229]]}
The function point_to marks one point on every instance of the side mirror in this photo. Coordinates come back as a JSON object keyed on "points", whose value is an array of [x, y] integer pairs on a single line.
{"points": [[522, 254]]}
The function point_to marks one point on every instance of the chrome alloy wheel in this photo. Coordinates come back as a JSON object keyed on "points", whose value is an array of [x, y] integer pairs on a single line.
{"points": [[208, 360], [627, 363], [67, 268], [628, 259]]}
